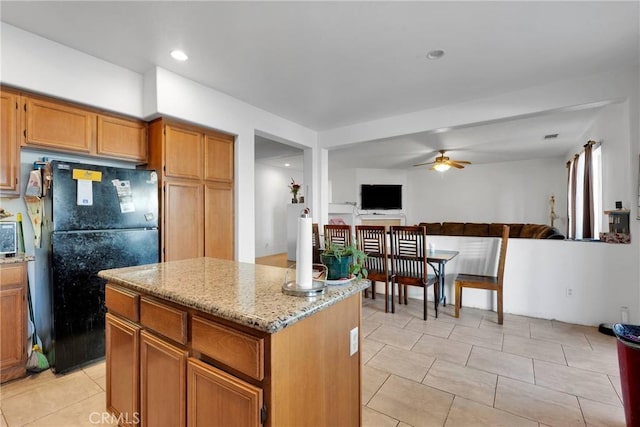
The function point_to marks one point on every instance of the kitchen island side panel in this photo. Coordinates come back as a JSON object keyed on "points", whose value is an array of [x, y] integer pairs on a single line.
{"points": [[313, 371]]}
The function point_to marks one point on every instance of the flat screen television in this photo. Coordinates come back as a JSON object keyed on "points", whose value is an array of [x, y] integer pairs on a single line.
{"points": [[379, 196]]}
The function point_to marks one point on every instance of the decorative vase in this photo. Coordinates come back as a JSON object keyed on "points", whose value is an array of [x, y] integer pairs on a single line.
{"points": [[294, 199], [337, 268]]}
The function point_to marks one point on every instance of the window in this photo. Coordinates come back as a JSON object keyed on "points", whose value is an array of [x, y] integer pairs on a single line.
{"points": [[584, 193]]}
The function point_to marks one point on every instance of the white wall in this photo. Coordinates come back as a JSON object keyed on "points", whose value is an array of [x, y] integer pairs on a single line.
{"points": [[497, 192], [39, 65], [605, 276], [36, 64], [182, 98], [272, 197], [538, 273]]}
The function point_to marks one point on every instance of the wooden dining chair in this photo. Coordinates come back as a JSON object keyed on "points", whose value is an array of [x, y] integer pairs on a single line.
{"points": [[372, 240], [409, 263], [492, 283], [315, 240], [337, 234]]}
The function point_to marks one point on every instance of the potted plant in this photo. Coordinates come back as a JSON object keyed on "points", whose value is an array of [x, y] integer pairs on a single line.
{"points": [[343, 261]]}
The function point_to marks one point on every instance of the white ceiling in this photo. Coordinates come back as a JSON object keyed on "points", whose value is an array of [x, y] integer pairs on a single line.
{"points": [[328, 64]]}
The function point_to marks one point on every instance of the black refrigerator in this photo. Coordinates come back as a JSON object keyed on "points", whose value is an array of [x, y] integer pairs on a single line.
{"points": [[101, 218]]}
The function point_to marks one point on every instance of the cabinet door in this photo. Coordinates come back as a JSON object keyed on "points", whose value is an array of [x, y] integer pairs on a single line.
{"points": [[183, 152], [9, 144], [218, 157], [123, 369], [59, 126], [122, 138], [218, 221], [182, 235], [216, 398], [163, 375], [13, 321]]}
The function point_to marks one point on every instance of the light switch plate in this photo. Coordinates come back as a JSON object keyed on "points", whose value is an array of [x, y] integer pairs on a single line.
{"points": [[353, 341]]}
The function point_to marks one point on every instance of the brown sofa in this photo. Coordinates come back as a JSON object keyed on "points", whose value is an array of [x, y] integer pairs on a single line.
{"points": [[528, 231]]}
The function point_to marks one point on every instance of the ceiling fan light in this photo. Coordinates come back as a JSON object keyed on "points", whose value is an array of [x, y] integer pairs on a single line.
{"points": [[441, 167]]}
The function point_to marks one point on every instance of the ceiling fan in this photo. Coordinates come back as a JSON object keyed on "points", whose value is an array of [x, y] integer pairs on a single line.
{"points": [[443, 163]]}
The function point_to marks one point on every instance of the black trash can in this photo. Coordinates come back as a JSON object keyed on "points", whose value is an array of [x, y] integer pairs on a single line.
{"points": [[628, 337]]}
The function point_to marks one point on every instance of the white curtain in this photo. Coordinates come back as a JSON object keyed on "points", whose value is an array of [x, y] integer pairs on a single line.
{"points": [[576, 192]]}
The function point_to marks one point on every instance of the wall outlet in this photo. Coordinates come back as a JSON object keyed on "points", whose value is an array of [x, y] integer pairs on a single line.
{"points": [[353, 341], [569, 292]]}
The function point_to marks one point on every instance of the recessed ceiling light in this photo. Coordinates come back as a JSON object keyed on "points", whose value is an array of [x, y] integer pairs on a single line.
{"points": [[287, 164], [179, 55], [435, 54]]}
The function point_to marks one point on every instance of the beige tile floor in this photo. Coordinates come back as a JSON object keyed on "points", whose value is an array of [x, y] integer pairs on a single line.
{"points": [[473, 372], [442, 372]]}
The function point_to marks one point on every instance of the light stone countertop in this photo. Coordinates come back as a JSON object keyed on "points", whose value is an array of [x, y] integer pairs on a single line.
{"points": [[244, 293], [17, 259]]}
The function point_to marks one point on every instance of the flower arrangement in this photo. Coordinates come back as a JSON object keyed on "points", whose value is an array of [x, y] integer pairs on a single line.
{"points": [[294, 188]]}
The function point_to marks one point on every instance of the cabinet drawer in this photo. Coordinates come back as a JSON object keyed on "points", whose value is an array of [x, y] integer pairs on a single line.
{"points": [[166, 320], [123, 301], [11, 275], [233, 348]]}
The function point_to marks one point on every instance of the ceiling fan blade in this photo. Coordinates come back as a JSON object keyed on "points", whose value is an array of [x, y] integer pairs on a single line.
{"points": [[464, 162], [425, 163], [455, 164]]}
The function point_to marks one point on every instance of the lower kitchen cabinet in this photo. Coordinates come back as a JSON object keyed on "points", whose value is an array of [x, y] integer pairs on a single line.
{"points": [[218, 399], [162, 382], [123, 369], [13, 321], [174, 365]]}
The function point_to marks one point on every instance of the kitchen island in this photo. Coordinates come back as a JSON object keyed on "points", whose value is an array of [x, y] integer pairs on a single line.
{"points": [[213, 342]]}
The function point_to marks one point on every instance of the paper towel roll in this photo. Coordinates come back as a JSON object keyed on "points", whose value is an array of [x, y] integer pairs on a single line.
{"points": [[304, 254]]}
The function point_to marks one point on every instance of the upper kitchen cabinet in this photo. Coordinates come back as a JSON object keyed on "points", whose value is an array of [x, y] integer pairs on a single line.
{"points": [[9, 143], [58, 126], [218, 157], [195, 168], [122, 138], [183, 152], [66, 127]]}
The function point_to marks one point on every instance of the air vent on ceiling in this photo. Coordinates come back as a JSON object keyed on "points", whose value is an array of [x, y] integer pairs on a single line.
{"points": [[551, 136]]}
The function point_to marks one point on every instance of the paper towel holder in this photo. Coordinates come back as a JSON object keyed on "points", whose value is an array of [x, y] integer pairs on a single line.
{"points": [[318, 283]]}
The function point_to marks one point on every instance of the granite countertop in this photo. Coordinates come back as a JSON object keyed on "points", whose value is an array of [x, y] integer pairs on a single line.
{"points": [[16, 259], [247, 294]]}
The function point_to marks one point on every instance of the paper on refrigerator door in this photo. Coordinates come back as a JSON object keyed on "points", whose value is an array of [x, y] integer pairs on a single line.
{"points": [[85, 193]]}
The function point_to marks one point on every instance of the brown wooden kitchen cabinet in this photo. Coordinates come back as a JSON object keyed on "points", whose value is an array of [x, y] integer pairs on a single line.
{"points": [[218, 220], [58, 126], [121, 138], [163, 380], [182, 217], [215, 398], [61, 126], [197, 197], [123, 369], [9, 143], [198, 369], [13, 321]]}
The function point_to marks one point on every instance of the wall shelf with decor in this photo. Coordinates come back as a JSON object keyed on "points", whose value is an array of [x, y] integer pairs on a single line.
{"points": [[619, 231]]}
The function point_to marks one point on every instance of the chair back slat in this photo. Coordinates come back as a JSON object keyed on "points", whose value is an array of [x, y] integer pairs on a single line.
{"points": [[315, 240], [337, 234], [408, 247], [371, 239]]}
